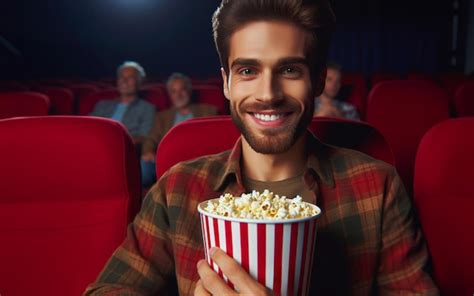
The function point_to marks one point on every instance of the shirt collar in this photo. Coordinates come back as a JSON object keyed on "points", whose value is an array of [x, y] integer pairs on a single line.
{"points": [[318, 163]]}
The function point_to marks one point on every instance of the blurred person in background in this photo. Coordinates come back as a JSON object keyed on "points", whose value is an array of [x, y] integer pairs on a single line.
{"points": [[179, 89], [136, 114], [327, 103]]}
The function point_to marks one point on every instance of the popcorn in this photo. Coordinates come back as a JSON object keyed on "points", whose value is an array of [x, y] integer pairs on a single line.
{"points": [[260, 206]]}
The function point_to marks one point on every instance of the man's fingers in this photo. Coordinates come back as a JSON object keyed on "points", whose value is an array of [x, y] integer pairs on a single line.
{"points": [[200, 290], [236, 274], [211, 280]]}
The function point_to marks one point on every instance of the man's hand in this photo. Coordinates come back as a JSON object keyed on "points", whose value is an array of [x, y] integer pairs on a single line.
{"points": [[211, 284], [148, 156]]}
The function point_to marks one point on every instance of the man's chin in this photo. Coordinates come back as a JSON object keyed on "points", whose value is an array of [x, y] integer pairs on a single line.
{"points": [[270, 144]]}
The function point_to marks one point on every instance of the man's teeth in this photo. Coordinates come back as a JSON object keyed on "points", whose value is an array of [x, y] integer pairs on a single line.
{"points": [[266, 117]]}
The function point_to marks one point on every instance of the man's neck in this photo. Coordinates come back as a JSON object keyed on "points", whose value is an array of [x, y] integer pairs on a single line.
{"points": [[184, 110], [325, 99], [274, 167], [125, 99]]}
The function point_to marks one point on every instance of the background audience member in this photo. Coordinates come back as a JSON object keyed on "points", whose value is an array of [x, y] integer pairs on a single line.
{"points": [[136, 114], [327, 104], [179, 89]]}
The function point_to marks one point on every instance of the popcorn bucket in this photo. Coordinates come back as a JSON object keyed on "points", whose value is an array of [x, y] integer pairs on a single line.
{"points": [[277, 253]]}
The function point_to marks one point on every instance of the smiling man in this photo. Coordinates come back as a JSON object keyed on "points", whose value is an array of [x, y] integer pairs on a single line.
{"points": [[273, 55]]}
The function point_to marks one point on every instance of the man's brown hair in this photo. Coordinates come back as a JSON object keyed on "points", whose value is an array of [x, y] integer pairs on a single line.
{"points": [[314, 16]]}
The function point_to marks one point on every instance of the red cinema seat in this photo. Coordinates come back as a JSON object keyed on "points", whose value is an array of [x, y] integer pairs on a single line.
{"points": [[211, 135], [464, 99], [420, 76], [216, 81], [70, 186], [87, 102], [444, 198], [403, 110], [451, 81], [61, 99], [19, 104], [152, 85], [211, 95], [156, 96], [81, 90], [356, 88]]}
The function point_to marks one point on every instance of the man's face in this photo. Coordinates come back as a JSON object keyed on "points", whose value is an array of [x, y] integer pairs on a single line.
{"points": [[179, 94], [333, 83], [269, 85], [128, 81]]}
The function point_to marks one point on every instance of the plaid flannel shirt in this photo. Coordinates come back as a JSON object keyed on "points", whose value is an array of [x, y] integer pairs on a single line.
{"points": [[368, 241]]}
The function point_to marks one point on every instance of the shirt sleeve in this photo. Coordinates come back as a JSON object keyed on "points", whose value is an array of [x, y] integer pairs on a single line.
{"points": [[147, 121], [404, 255], [154, 136], [98, 109], [144, 263], [350, 112]]}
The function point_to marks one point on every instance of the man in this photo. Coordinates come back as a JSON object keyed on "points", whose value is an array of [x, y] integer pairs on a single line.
{"points": [[179, 89], [327, 104], [136, 114], [273, 57]]}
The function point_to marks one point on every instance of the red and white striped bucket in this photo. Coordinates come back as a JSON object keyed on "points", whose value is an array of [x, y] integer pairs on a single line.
{"points": [[277, 253]]}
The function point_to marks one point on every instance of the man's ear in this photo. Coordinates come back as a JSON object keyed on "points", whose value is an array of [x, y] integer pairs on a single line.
{"points": [[226, 84], [320, 81]]}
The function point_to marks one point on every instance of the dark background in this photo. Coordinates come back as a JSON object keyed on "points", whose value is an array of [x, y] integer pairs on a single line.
{"points": [[89, 38]]}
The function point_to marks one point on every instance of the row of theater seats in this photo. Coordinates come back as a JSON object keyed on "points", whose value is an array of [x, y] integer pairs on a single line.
{"points": [[79, 98], [70, 185], [355, 88]]}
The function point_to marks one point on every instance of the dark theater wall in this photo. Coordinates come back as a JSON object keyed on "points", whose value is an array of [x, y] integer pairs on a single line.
{"points": [[88, 38]]}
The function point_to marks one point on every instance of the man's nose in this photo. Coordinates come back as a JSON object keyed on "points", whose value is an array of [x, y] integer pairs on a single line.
{"points": [[268, 88]]}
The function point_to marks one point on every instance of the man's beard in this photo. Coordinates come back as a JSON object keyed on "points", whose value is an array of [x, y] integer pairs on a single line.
{"points": [[280, 139], [182, 102], [128, 92]]}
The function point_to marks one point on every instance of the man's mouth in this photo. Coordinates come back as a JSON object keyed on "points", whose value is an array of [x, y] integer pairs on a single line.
{"points": [[268, 117]]}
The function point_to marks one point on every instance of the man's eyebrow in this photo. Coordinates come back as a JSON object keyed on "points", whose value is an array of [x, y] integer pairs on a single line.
{"points": [[280, 62], [293, 60], [244, 62]]}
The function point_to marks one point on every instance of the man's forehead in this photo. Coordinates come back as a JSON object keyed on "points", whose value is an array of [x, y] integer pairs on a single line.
{"points": [[334, 72], [128, 70], [268, 41], [177, 81]]}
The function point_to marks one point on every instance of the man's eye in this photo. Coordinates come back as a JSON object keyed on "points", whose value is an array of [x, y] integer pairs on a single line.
{"points": [[246, 71], [292, 71]]}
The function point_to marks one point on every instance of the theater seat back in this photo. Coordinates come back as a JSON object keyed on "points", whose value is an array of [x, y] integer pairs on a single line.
{"points": [[70, 186], [464, 99], [403, 111], [23, 103], [354, 90], [211, 95], [444, 198], [203, 136], [62, 100]]}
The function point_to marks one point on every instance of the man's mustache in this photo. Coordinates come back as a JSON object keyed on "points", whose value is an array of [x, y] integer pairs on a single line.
{"points": [[274, 106]]}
